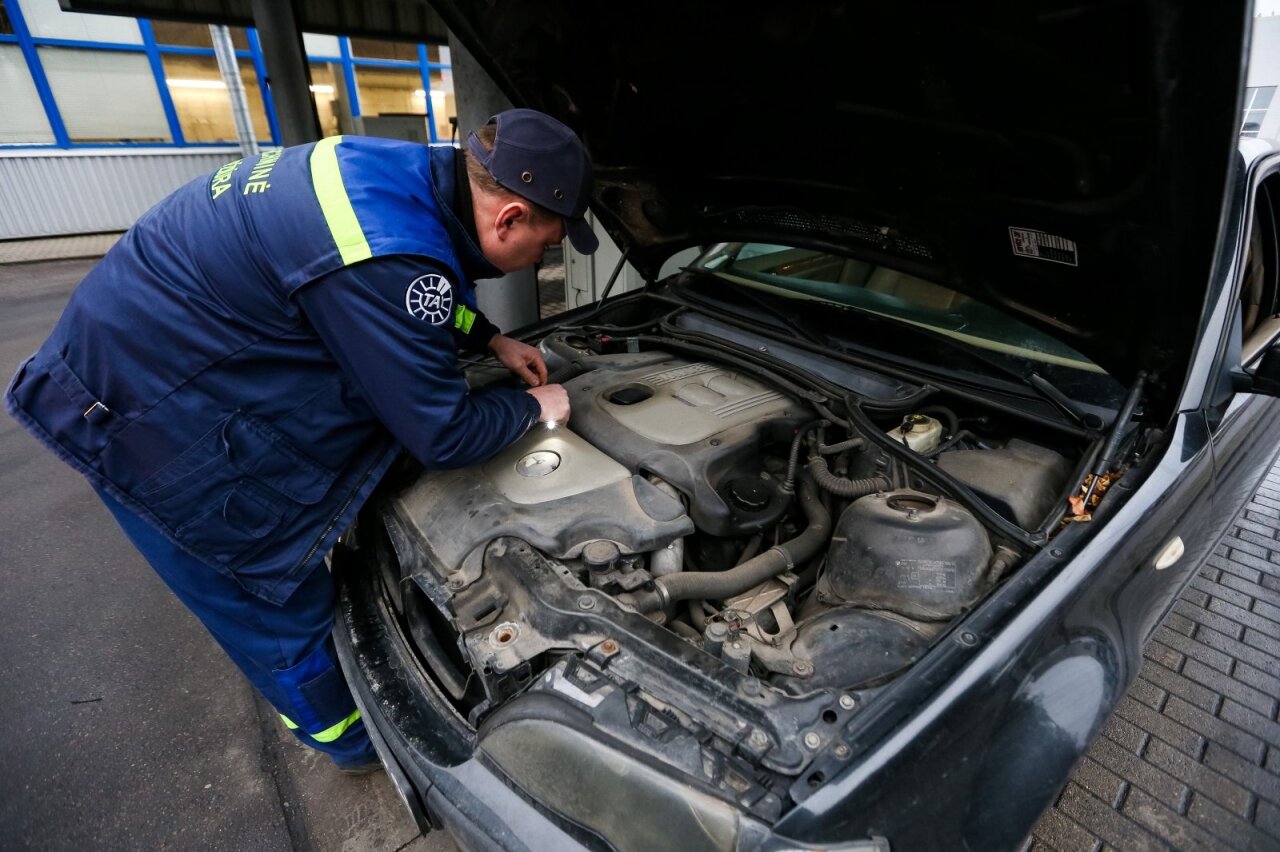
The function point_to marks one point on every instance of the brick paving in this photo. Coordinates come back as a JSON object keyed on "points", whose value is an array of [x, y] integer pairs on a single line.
{"points": [[1191, 758]]}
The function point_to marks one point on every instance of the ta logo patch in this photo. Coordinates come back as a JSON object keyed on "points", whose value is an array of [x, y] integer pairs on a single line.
{"points": [[430, 298]]}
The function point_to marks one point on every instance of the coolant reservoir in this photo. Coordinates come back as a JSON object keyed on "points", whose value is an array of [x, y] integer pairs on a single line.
{"points": [[920, 432]]}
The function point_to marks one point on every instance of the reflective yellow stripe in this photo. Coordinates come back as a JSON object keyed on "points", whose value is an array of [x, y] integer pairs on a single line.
{"points": [[464, 319], [330, 733], [339, 215]]}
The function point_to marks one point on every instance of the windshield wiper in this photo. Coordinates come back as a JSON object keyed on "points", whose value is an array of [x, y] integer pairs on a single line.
{"points": [[1043, 388]]}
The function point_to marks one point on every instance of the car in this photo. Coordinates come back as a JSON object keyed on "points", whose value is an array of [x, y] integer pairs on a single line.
{"points": [[862, 517]]}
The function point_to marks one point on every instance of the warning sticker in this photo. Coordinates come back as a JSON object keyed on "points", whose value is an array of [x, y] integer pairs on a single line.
{"points": [[1042, 246]]}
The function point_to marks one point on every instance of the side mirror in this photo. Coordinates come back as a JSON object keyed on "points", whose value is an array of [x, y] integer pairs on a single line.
{"points": [[1266, 377]]}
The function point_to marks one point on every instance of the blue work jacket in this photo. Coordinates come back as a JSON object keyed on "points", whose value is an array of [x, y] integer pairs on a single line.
{"points": [[243, 366]]}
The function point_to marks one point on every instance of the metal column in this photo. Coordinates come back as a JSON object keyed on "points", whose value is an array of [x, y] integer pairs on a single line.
{"points": [[510, 302], [287, 72], [225, 52]]}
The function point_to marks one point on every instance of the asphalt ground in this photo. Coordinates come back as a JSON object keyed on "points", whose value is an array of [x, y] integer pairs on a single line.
{"points": [[123, 726]]}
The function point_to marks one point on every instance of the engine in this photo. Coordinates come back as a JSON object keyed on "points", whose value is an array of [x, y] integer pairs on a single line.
{"points": [[717, 507]]}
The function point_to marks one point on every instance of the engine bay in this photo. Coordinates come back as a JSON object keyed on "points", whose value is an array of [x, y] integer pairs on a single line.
{"points": [[710, 562]]}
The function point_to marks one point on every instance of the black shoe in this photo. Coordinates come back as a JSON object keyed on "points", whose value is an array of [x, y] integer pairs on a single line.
{"points": [[362, 768]]}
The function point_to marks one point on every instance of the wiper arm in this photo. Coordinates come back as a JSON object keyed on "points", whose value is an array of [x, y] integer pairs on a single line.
{"points": [[789, 322]]}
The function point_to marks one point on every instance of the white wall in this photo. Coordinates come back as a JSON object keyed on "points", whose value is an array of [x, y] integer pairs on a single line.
{"points": [[48, 193], [1264, 69]]}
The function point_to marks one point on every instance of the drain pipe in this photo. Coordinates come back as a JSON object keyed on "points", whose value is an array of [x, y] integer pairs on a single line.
{"points": [[225, 51]]}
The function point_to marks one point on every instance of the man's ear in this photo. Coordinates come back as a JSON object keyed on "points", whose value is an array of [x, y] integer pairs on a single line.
{"points": [[511, 213]]}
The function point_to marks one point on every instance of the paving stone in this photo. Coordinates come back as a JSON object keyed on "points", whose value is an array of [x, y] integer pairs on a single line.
{"points": [[1103, 820], [1148, 691], [1179, 624], [1263, 682], [1263, 531], [1197, 776], [1261, 642], [1166, 681], [1235, 831], [1267, 610], [1163, 655], [1240, 545], [1261, 500], [1240, 651], [1100, 781], [1200, 723], [1221, 592], [1209, 619], [1243, 616], [1268, 819], [1270, 582], [1231, 567], [1253, 589], [1161, 727], [1195, 596], [1273, 761], [1255, 724], [1060, 832], [1262, 514], [1125, 734], [1241, 773], [1265, 541], [1167, 824], [1231, 688], [1195, 650], [1144, 773], [1258, 563]]}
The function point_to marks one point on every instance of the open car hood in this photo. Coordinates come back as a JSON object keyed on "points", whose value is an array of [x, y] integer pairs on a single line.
{"points": [[1066, 162]]}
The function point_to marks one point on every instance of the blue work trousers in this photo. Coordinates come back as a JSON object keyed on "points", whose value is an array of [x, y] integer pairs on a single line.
{"points": [[285, 651]]}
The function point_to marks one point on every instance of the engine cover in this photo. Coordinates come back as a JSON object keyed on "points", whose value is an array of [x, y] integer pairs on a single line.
{"points": [[550, 488], [696, 425]]}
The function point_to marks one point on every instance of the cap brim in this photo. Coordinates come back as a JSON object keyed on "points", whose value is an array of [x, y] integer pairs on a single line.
{"points": [[581, 235]]}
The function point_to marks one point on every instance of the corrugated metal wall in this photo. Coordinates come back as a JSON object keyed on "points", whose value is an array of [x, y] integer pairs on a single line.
{"points": [[46, 193]]}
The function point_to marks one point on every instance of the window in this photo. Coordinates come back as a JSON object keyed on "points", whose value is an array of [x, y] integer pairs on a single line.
{"points": [[321, 45], [105, 96], [1256, 101], [390, 91], [325, 80], [438, 54], [202, 102], [194, 35], [374, 48], [24, 118], [6, 26], [46, 19], [443, 103]]}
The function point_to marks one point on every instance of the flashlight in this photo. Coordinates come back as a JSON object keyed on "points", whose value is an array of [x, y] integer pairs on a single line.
{"points": [[551, 424]]}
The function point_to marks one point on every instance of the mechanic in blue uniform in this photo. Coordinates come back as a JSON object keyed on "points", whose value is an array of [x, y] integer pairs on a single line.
{"points": [[239, 371]]}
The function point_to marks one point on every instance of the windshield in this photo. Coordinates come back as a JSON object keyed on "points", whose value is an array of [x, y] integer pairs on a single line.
{"points": [[820, 276]]}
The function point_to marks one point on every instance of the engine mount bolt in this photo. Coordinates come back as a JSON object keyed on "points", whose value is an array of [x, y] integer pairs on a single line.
{"points": [[842, 751], [586, 602], [800, 667], [456, 581], [812, 740], [609, 646], [968, 638], [758, 738], [848, 702], [751, 686]]}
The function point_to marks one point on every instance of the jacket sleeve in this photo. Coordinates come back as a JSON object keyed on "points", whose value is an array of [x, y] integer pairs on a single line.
{"points": [[477, 339], [403, 358]]}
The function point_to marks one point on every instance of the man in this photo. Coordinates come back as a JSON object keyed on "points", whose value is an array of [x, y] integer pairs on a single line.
{"points": [[238, 372]]}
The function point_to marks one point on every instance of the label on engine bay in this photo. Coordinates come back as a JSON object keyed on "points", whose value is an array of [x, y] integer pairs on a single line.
{"points": [[1042, 246], [926, 574]]}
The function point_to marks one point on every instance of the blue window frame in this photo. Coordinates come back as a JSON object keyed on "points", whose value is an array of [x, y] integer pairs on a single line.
{"points": [[154, 52]]}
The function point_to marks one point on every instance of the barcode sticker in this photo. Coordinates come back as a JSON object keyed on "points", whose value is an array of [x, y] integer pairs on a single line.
{"points": [[1042, 246]]}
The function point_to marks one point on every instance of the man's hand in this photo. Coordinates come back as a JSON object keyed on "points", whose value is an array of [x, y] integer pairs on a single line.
{"points": [[554, 401], [522, 359]]}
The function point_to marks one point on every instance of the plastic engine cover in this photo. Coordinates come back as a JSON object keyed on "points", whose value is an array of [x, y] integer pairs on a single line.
{"points": [[914, 554]]}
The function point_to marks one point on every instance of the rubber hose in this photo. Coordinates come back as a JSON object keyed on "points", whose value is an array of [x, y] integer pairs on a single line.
{"points": [[841, 487], [953, 422], [793, 460], [718, 585]]}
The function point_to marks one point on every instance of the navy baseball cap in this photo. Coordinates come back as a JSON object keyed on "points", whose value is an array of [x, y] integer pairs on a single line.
{"points": [[540, 159]]}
